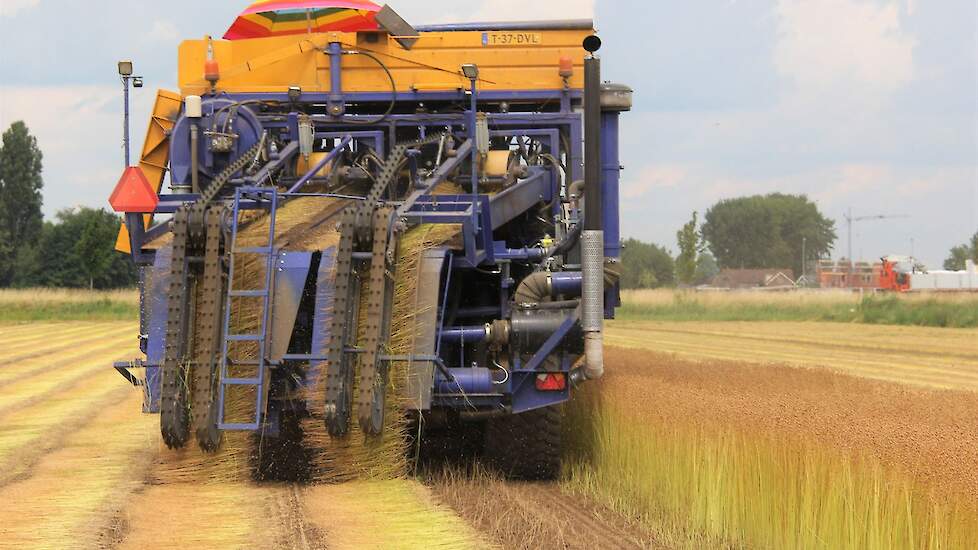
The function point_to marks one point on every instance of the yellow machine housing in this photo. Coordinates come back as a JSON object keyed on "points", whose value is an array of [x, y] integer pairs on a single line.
{"points": [[513, 61]]}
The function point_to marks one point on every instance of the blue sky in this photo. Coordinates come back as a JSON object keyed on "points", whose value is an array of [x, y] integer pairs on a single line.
{"points": [[863, 104]]}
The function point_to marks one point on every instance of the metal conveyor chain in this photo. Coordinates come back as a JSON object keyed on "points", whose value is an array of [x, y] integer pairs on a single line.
{"points": [[191, 225], [174, 416], [364, 227], [208, 334]]}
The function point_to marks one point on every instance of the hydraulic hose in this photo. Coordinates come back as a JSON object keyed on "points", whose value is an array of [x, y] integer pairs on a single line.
{"points": [[534, 288], [390, 77]]}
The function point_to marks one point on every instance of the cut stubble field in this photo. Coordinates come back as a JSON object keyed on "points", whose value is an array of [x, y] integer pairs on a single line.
{"points": [[79, 468], [787, 435], [924, 356]]}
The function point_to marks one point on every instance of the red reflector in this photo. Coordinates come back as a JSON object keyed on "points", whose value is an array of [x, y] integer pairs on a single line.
{"points": [[551, 382], [133, 193]]}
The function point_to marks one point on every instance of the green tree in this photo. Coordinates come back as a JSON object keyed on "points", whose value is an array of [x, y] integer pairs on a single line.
{"points": [[689, 246], [20, 195], [959, 255], [706, 268], [77, 251], [94, 256], [645, 265], [766, 231]]}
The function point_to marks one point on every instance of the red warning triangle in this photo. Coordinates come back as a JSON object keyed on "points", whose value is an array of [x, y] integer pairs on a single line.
{"points": [[133, 193]]}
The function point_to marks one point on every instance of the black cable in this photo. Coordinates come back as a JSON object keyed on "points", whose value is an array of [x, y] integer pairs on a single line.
{"points": [[390, 108], [235, 104]]}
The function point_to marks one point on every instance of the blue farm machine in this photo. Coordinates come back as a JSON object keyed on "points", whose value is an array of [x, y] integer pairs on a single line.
{"points": [[279, 271]]}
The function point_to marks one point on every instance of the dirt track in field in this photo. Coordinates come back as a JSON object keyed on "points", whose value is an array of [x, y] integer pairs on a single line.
{"points": [[930, 434], [520, 515], [927, 357]]}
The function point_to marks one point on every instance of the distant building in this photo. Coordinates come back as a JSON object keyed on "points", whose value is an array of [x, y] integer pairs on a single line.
{"points": [[844, 274], [754, 278]]}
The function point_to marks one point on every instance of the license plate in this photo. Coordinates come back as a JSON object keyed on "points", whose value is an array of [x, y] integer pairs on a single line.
{"points": [[512, 39]]}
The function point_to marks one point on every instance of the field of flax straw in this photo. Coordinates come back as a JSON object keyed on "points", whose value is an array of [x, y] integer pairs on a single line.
{"points": [[783, 434], [703, 434]]}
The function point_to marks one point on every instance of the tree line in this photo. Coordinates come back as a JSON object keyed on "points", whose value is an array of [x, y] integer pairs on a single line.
{"points": [[773, 231], [762, 231], [75, 250], [958, 258]]}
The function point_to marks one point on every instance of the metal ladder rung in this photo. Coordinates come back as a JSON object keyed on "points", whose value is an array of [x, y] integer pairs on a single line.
{"points": [[239, 427], [242, 381], [245, 363], [244, 338], [248, 293], [265, 250]]}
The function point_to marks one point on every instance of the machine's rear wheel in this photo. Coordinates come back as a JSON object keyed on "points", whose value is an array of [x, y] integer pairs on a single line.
{"points": [[527, 445]]}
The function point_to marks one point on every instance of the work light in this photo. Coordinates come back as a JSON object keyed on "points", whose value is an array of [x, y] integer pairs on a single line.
{"points": [[471, 71]]}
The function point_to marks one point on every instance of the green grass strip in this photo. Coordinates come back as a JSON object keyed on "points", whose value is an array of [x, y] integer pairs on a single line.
{"points": [[59, 304], [960, 312], [102, 310]]}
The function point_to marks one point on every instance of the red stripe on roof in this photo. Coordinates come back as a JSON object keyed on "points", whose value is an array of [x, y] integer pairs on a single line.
{"points": [[311, 4]]}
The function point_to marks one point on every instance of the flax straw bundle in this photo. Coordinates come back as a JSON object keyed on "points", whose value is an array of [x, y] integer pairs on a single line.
{"points": [[305, 451], [234, 460], [306, 223], [358, 456]]}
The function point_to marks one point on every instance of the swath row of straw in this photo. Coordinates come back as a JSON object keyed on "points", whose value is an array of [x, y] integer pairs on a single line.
{"points": [[305, 451]]}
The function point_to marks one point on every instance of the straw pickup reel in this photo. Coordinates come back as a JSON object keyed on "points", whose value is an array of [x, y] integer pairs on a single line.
{"points": [[365, 263]]}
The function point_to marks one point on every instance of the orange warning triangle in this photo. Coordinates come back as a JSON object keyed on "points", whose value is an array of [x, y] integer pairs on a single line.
{"points": [[133, 193]]}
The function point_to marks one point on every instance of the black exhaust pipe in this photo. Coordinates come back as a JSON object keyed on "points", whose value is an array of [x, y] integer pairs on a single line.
{"points": [[592, 238]]}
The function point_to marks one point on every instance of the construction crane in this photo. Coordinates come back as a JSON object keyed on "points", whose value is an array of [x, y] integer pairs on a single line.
{"points": [[431, 211], [850, 219]]}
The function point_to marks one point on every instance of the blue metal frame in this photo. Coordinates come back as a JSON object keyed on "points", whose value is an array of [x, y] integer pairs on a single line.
{"points": [[461, 95], [156, 332], [321, 319], [558, 129]]}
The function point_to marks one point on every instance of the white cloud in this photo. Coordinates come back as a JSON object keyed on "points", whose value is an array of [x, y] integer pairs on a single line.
{"points": [[9, 8], [846, 49], [845, 182], [651, 178]]}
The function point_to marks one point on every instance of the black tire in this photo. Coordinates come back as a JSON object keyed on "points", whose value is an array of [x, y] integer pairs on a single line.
{"points": [[455, 444], [526, 446]]}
